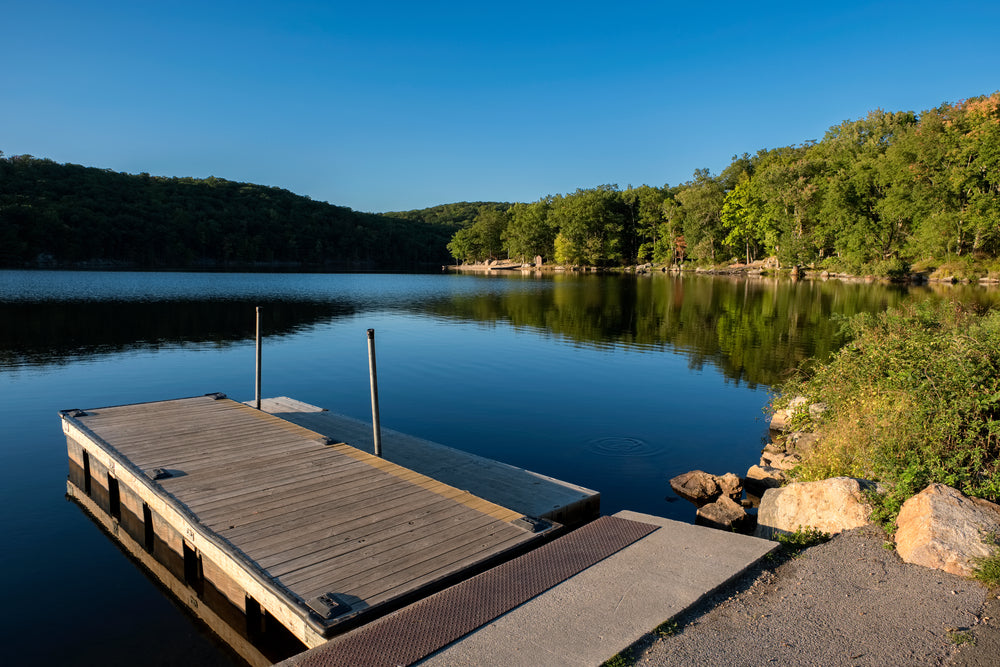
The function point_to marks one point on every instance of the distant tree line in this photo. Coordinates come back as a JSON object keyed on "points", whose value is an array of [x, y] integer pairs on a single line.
{"points": [[68, 215], [875, 195]]}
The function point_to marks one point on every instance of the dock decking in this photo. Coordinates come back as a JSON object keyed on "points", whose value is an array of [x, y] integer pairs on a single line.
{"points": [[521, 490], [278, 518]]}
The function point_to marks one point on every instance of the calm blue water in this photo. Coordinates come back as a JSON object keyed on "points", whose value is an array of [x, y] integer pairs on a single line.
{"points": [[614, 383]]}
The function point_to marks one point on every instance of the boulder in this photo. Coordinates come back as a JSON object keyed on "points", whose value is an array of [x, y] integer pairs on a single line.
{"points": [[831, 505], [779, 460], [731, 486], [761, 478], [801, 442], [697, 486], [781, 419], [943, 529], [724, 514]]}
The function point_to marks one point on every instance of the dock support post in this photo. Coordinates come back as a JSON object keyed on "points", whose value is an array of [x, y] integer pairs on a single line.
{"points": [[257, 375], [376, 427]]}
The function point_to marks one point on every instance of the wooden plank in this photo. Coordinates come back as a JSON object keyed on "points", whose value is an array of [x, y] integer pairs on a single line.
{"points": [[380, 563], [375, 536], [249, 505], [390, 545], [263, 532], [429, 566], [284, 556]]}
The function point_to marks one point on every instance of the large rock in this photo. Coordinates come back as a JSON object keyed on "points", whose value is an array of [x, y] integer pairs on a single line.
{"points": [[831, 505], [731, 486], [702, 488], [801, 442], [699, 487], [943, 529], [779, 460], [761, 478], [724, 513]]}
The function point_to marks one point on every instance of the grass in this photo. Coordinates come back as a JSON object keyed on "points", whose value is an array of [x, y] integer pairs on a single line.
{"points": [[914, 398], [987, 570], [623, 659], [960, 637], [668, 628], [803, 538]]}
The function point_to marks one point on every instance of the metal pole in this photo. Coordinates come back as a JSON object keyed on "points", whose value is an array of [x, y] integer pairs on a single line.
{"points": [[376, 428], [258, 359]]}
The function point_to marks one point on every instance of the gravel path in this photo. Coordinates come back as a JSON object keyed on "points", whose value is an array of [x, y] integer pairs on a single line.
{"points": [[849, 601]]}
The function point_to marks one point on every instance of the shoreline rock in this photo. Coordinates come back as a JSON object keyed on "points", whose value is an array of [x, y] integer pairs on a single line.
{"points": [[944, 529], [831, 505]]}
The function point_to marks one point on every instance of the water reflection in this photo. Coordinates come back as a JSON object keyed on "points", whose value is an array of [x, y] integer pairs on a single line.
{"points": [[44, 333], [754, 330]]}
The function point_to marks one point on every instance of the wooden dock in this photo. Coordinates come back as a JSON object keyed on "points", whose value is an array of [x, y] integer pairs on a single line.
{"points": [[521, 490], [280, 521]]}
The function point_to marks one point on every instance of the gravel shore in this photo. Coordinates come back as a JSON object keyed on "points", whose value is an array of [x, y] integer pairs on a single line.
{"points": [[850, 601]]}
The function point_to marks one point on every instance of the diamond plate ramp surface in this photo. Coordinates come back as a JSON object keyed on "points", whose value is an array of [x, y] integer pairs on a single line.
{"points": [[424, 627]]}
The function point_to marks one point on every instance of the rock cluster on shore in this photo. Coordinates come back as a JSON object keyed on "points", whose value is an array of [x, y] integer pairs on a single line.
{"points": [[940, 527]]}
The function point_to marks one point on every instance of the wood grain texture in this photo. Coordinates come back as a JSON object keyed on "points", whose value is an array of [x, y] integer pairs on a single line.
{"points": [[286, 514]]}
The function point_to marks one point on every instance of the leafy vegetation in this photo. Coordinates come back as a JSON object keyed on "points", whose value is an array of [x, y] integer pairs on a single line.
{"points": [[668, 628], [914, 398], [801, 539], [874, 196], [67, 215], [623, 659], [987, 570]]}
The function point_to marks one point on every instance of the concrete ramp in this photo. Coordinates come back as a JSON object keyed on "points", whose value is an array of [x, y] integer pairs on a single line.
{"points": [[589, 618], [651, 570]]}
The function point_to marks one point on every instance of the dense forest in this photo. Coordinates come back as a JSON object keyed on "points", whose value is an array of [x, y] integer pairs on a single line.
{"points": [[880, 195], [886, 194], [67, 215]]}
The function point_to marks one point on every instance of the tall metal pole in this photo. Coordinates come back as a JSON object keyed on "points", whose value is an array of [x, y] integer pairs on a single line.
{"points": [[258, 359], [376, 427]]}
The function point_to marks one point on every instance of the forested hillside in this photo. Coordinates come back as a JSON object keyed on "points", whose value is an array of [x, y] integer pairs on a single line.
{"points": [[876, 195], [459, 214], [68, 215]]}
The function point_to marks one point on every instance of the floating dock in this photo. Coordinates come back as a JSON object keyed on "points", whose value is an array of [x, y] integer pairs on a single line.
{"points": [[521, 490], [285, 524]]}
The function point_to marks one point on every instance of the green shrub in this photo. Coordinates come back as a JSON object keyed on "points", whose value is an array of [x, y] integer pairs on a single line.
{"points": [[914, 398]]}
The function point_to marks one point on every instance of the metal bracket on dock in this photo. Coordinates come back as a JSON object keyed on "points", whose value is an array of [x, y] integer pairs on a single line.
{"points": [[158, 473], [217, 395], [328, 606], [531, 524], [74, 413]]}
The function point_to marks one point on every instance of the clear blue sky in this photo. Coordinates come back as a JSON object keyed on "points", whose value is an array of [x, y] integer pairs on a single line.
{"points": [[399, 105]]}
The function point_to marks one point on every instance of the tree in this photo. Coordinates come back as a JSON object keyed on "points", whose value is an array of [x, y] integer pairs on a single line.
{"points": [[590, 223], [529, 232], [744, 218], [701, 200]]}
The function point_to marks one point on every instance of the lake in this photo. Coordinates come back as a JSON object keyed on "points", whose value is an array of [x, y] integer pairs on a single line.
{"points": [[612, 382]]}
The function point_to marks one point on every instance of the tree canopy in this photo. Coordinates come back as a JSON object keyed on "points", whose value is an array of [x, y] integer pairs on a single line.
{"points": [[67, 215], [874, 195]]}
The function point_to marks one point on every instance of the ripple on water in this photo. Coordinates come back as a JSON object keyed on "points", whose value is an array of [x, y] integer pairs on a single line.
{"points": [[622, 446]]}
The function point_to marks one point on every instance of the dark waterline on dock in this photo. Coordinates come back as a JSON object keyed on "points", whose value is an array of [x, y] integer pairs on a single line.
{"points": [[615, 383]]}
